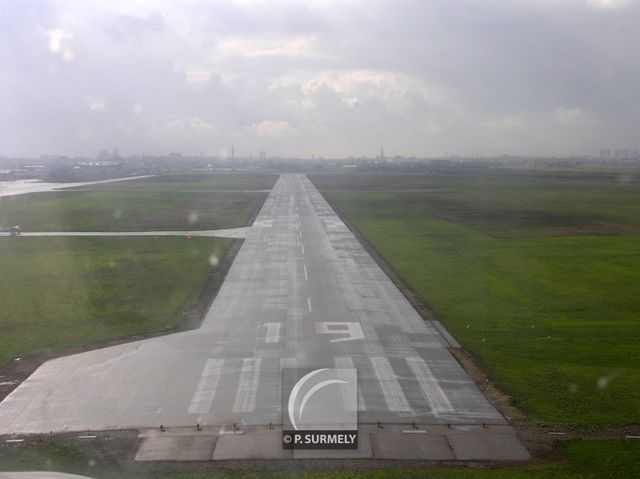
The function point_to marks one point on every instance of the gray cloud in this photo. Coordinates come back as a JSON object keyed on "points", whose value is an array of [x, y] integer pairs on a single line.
{"points": [[332, 78]]}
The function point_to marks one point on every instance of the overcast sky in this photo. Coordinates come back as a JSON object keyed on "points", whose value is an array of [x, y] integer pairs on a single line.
{"points": [[319, 77]]}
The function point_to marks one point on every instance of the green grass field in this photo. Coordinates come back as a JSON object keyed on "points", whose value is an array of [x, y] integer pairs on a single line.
{"points": [[59, 294], [617, 459], [129, 210], [549, 302], [62, 293]]}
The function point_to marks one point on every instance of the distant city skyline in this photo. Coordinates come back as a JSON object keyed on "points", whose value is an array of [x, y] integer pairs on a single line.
{"points": [[320, 78]]}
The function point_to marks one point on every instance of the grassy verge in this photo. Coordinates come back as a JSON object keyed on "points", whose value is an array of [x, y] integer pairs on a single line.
{"points": [[553, 317], [577, 460], [59, 294], [129, 210], [64, 293], [196, 181]]}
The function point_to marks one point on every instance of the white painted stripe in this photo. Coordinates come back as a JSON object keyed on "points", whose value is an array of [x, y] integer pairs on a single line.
{"points": [[206, 389], [273, 332], [287, 363], [391, 389], [309, 304], [302, 248], [435, 395], [306, 274], [14, 440], [248, 385], [347, 363]]}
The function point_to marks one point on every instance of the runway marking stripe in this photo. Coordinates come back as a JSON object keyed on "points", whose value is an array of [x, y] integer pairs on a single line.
{"points": [[306, 274], [287, 362], [391, 389], [206, 389], [309, 304], [248, 385], [437, 398], [273, 332], [347, 363]]}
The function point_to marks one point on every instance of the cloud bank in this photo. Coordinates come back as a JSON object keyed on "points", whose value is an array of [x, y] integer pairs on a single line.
{"points": [[320, 77]]}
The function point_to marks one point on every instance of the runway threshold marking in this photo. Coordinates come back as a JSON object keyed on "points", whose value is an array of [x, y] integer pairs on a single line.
{"points": [[287, 362], [206, 389], [391, 389], [248, 385], [347, 363], [437, 398], [273, 332]]}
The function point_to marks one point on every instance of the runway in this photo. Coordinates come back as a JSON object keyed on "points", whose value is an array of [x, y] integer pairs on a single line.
{"points": [[302, 292]]}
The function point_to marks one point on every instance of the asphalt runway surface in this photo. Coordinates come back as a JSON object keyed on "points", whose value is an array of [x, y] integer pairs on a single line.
{"points": [[301, 292]]}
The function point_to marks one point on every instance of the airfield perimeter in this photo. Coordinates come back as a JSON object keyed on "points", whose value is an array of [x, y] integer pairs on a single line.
{"points": [[301, 292]]}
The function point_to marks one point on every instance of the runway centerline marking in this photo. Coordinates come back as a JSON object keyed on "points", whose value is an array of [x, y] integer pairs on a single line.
{"points": [[306, 274], [309, 304], [206, 389], [391, 389]]}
